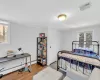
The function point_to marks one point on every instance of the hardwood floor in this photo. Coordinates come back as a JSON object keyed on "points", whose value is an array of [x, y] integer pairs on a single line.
{"points": [[24, 75]]}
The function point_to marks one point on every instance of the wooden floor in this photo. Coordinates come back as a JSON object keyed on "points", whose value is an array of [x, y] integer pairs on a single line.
{"points": [[24, 75]]}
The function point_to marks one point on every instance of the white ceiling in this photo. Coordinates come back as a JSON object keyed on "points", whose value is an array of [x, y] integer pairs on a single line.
{"points": [[43, 13]]}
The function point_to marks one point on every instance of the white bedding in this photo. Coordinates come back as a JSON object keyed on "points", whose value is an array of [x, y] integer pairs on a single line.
{"points": [[76, 76], [95, 74]]}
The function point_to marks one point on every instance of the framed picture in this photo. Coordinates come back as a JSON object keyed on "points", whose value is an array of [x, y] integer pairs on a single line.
{"points": [[42, 35]]}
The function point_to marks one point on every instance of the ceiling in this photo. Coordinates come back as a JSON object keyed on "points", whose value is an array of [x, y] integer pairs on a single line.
{"points": [[43, 13]]}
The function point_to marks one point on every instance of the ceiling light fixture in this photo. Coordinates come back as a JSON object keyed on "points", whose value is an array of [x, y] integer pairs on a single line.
{"points": [[62, 17]]}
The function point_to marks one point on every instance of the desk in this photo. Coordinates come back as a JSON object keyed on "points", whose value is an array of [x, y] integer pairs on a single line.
{"points": [[19, 56]]}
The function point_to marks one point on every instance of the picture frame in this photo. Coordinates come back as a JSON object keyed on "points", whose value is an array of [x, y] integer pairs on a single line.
{"points": [[42, 35]]}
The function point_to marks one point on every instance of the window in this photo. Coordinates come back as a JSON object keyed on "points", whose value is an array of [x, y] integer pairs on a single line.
{"points": [[4, 38], [85, 36], [81, 40], [88, 39]]}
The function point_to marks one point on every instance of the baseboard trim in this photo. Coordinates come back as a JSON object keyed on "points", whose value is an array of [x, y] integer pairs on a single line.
{"points": [[53, 62]]}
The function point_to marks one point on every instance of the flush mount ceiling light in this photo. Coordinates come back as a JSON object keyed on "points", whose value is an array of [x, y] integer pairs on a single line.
{"points": [[62, 17]]}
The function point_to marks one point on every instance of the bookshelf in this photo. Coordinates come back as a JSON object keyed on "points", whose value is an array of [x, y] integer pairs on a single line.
{"points": [[42, 51]]}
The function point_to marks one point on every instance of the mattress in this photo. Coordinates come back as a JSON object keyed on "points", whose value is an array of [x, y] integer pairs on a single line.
{"points": [[48, 74], [84, 59]]}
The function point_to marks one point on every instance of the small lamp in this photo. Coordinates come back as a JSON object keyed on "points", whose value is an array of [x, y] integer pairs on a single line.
{"points": [[20, 49], [62, 17]]}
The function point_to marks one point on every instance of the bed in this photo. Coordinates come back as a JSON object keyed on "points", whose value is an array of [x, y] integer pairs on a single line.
{"points": [[86, 58]]}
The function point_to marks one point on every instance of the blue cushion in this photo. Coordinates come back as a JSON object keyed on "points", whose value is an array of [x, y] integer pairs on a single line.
{"points": [[84, 52]]}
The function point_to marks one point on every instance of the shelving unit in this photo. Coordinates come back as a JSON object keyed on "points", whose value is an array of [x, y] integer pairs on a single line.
{"points": [[42, 51]]}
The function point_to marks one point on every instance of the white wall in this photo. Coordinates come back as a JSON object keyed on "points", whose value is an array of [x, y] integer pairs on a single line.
{"points": [[21, 36], [54, 41], [71, 35], [26, 37]]}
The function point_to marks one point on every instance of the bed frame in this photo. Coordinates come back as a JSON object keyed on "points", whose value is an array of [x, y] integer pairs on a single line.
{"points": [[69, 56]]}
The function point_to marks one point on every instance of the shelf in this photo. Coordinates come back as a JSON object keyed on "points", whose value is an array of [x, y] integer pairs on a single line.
{"points": [[42, 50]]}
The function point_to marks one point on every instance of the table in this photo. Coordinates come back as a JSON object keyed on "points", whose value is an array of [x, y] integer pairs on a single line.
{"points": [[19, 56]]}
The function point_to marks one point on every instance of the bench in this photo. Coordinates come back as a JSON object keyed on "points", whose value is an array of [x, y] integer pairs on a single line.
{"points": [[48, 74]]}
